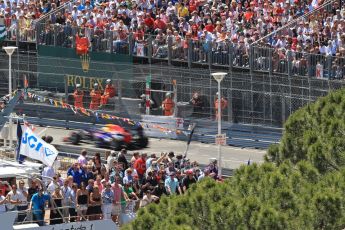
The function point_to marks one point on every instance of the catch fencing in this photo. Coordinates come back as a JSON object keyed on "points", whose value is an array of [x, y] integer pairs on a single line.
{"points": [[259, 98]]}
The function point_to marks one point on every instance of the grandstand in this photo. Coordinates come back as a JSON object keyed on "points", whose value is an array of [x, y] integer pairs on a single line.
{"points": [[280, 55]]}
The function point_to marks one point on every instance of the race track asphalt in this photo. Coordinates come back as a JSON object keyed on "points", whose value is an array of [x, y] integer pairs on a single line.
{"points": [[232, 157]]}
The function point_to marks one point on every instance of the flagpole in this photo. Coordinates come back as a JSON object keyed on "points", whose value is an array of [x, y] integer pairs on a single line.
{"points": [[192, 127]]}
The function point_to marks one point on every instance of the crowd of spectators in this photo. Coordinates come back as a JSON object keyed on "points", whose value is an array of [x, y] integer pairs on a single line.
{"points": [[104, 189], [204, 25], [23, 14], [215, 26]]}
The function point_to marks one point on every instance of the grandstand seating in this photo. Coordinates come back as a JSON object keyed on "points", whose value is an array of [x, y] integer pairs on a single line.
{"points": [[299, 36]]}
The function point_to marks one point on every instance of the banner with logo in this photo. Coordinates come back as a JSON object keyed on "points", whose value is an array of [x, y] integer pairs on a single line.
{"points": [[34, 147], [319, 70], [140, 50]]}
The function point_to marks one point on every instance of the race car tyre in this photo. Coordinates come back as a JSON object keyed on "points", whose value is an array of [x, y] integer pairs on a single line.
{"points": [[116, 145], [143, 142], [99, 143], [75, 138]]}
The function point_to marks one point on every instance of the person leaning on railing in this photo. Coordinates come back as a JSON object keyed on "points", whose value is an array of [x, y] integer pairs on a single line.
{"points": [[56, 211], [82, 201], [24, 204], [107, 200], [37, 206]]}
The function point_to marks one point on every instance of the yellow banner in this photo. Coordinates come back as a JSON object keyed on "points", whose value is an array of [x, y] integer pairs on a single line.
{"points": [[85, 82]]}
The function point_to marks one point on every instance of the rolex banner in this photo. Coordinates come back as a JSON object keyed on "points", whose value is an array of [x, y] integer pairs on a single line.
{"points": [[85, 69]]}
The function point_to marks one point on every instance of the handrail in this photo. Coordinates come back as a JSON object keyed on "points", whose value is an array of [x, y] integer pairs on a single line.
{"points": [[294, 21], [130, 207], [47, 15]]}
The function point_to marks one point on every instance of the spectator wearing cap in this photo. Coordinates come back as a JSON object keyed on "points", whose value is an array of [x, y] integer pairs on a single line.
{"points": [[149, 182], [160, 189], [128, 189], [159, 24], [154, 161], [149, 22], [188, 180], [150, 160], [172, 185]]}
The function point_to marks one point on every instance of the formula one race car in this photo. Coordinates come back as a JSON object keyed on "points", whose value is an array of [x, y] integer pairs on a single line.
{"points": [[111, 136]]}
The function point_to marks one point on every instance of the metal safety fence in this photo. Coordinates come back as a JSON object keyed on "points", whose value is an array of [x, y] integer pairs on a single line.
{"points": [[251, 98], [185, 51]]}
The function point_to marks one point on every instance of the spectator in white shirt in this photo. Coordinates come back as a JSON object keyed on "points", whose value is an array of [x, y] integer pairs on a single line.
{"points": [[53, 184], [82, 158], [48, 172], [66, 201], [15, 198], [23, 206]]}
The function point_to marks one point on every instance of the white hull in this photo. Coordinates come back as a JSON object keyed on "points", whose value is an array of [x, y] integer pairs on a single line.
{"points": [[7, 220]]}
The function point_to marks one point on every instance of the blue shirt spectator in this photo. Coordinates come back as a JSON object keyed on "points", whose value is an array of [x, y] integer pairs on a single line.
{"points": [[171, 183], [77, 173], [38, 202]]}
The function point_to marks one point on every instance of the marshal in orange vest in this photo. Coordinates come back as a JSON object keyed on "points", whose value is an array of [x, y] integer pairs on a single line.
{"points": [[82, 45]]}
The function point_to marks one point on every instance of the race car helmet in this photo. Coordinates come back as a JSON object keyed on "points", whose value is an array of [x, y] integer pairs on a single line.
{"points": [[168, 94], [95, 85], [108, 81], [143, 96], [77, 85]]}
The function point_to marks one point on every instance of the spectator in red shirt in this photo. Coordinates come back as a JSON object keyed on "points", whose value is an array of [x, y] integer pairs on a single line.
{"points": [[159, 24], [140, 166], [149, 22], [209, 27]]}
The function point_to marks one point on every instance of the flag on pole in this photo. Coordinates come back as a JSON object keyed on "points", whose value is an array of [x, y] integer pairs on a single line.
{"points": [[192, 128], [34, 147], [20, 158], [191, 133], [3, 32]]}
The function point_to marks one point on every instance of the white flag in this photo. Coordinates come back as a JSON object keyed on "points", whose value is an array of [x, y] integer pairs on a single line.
{"points": [[34, 147]]}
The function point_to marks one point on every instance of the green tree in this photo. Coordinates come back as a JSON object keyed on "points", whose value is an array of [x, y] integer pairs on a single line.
{"points": [[300, 186]]}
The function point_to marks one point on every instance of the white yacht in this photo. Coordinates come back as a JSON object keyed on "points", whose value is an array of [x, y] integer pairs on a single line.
{"points": [[10, 170]]}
